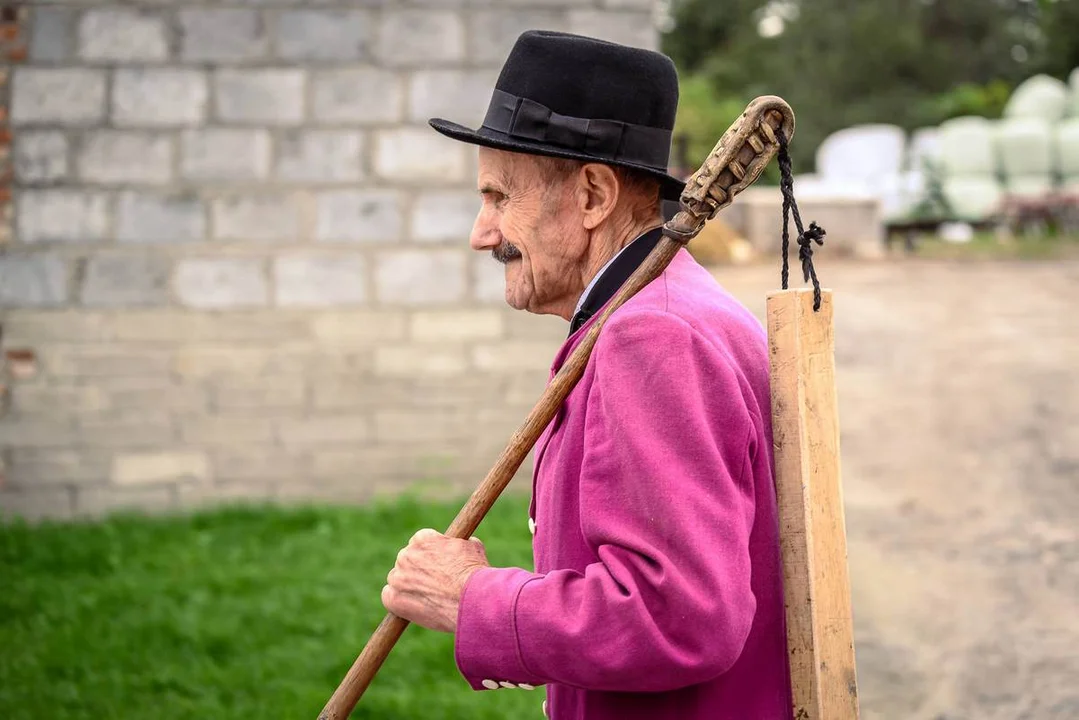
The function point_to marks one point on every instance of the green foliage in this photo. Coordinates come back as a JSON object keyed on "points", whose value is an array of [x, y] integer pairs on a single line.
{"points": [[703, 117], [235, 613], [986, 100]]}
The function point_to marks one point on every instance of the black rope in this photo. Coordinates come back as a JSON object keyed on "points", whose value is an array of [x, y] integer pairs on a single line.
{"points": [[806, 238]]}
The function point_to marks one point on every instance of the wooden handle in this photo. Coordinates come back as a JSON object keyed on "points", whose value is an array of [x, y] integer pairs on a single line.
{"points": [[735, 163]]}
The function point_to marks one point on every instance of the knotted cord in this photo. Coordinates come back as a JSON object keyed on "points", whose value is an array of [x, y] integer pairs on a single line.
{"points": [[806, 238]]}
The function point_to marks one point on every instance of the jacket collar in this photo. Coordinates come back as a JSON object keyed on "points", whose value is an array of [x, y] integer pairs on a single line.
{"points": [[611, 277]]}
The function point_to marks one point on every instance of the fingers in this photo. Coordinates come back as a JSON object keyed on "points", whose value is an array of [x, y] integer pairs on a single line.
{"points": [[425, 534]]}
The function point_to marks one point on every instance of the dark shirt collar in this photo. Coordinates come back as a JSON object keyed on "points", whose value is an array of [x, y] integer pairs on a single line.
{"points": [[612, 277]]}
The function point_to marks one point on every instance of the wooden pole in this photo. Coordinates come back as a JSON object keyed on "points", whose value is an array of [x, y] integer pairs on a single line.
{"points": [[805, 427]]}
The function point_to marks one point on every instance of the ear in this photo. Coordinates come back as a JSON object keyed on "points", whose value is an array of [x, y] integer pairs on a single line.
{"points": [[596, 193]]}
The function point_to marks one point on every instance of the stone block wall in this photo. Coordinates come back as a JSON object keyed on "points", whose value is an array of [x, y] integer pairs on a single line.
{"points": [[234, 259]]}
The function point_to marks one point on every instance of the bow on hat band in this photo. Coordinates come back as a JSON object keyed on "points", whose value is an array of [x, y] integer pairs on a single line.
{"points": [[526, 119]]}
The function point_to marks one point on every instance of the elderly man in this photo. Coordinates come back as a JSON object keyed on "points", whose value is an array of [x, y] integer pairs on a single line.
{"points": [[657, 587]]}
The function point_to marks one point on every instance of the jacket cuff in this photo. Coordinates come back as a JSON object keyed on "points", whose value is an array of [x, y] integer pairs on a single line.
{"points": [[486, 647]]}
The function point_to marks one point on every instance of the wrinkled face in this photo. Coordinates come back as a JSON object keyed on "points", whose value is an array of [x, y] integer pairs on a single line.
{"points": [[530, 226]]}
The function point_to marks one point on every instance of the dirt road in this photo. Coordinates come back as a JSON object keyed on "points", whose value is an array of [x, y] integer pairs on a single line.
{"points": [[959, 401]]}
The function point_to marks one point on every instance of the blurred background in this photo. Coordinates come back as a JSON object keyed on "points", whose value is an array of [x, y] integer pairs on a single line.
{"points": [[247, 352]]}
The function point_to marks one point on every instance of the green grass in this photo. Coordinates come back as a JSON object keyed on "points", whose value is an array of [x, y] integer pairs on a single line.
{"points": [[234, 613], [986, 246]]}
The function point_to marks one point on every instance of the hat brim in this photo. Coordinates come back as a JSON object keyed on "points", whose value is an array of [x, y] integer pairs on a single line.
{"points": [[670, 187]]}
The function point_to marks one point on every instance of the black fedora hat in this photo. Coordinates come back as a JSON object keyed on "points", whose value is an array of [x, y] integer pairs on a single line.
{"points": [[576, 97]]}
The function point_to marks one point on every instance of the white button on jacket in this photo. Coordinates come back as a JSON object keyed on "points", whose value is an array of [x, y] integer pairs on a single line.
{"points": [[531, 526], [490, 684]]}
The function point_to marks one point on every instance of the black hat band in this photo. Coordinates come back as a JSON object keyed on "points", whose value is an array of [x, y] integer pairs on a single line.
{"points": [[526, 119]]}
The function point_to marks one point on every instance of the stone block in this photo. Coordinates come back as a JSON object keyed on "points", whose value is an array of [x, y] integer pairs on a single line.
{"points": [[62, 96], [122, 35], [154, 468], [186, 326], [455, 325], [360, 96], [416, 155], [414, 37], [222, 35], [31, 467], [125, 280], [271, 97], [151, 218], [492, 33], [359, 216], [40, 157], [361, 392], [35, 280], [458, 95], [488, 280], [231, 431], [105, 362], [30, 327], [101, 502], [444, 215], [61, 216], [263, 463], [159, 97], [57, 400], [52, 34], [420, 277], [219, 493], [122, 157], [320, 156], [420, 360], [36, 432], [323, 430], [627, 28], [361, 328], [149, 431], [642, 5], [319, 280], [258, 218], [207, 283], [225, 154], [514, 356], [35, 505], [198, 362], [324, 34], [424, 426], [260, 393], [128, 396]]}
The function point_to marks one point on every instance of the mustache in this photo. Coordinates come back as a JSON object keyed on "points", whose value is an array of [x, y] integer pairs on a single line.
{"points": [[505, 252]]}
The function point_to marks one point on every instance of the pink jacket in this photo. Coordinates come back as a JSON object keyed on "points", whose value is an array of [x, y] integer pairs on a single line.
{"points": [[657, 591]]}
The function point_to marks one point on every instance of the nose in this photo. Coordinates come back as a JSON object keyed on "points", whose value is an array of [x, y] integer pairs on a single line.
{"points": [[485, 235]]}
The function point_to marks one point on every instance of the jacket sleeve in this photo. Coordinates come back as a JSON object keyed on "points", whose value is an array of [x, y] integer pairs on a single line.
{"points": [[667, 507]]}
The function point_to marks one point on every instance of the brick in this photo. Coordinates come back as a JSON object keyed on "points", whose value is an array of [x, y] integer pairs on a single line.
{"points": [[258, 218], [260, 393], [513, 356], [315, 156], [159, 97], [361, 96], [40, 156], [130, 396], [37, 432], [222, 35], [444, 215], [380, 462], [323, 430], [35, 505], [151, 218], [218, 494], [226, 431], [193, 327], [419, 360], [57, 400], [458, 95], [256, 462], [31, 467], [492, 33], [319, 280], [148, 431], [529, 326], [455, 325], [125, 280], [152, 468], [61, 216], [115, 35], [200, 362], [417, 155], [30, 327], [102, 502], [225, 154], [421, 277], [360, 392], [421, 426], [420, 37], [120, 156], [359, 216], [324, 34], [272, 97], [628, 28], [37, 280], [324, 490], [105, 361], [65, 96], [358, 327], [221, 283], [52, 35], [488, 280]]}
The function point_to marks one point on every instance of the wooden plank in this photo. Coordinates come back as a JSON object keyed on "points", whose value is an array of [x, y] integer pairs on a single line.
{"points": [[805, 427]]}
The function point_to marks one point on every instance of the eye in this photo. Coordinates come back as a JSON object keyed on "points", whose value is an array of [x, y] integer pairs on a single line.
{"points": [[494, 196]]}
